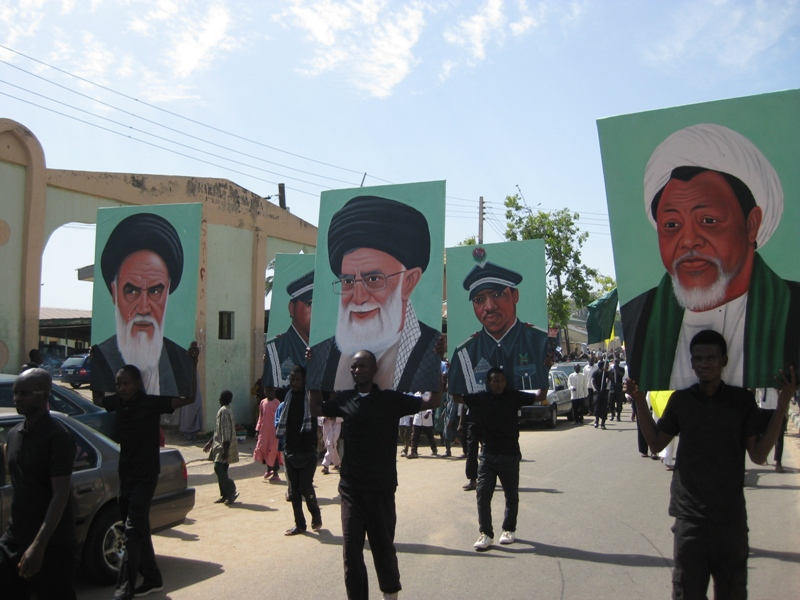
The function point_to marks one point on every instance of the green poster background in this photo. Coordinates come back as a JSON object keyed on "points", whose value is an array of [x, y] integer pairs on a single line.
{"points": [[770, 121], [429, 199], [288, 267], [179, 324], [525, 257]]}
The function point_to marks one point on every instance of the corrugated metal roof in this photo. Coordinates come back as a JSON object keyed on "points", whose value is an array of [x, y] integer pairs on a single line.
{"points": [[63, 313]]}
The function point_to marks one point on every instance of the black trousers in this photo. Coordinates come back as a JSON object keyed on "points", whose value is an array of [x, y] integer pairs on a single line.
{"points": [[474, 434], [54, 579], [615, 398], [506, 468], [705, 549], [371, 513], [416, 431], [765, 415], [227, 487], [138, 556], [300, 469], [601, 407]]}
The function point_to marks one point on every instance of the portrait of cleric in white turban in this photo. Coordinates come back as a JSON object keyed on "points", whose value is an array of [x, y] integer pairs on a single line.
{"points": [[378, 251], [142, 265], [715, 201]]}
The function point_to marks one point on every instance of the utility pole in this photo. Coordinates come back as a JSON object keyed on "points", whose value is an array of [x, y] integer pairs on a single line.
{"points": [[480, 220], [282, 196]]}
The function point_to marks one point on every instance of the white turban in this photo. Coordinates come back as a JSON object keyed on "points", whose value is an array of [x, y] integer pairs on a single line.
{"points": [[721, 149]]}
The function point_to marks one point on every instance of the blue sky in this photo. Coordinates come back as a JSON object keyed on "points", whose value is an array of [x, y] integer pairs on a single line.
{"points": [[489, 94]]}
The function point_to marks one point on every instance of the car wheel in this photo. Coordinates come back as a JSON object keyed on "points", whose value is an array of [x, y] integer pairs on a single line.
{"points": [[75, 385], [552, 417], [102, 552]]}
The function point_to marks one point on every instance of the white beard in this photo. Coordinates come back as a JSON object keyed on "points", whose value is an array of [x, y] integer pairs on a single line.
{"points": [[376, 334], [702, 298], [139, 350]]}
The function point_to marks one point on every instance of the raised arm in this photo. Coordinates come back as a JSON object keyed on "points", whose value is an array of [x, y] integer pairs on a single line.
{"points": [[656, 440], [758, 447], [194, 354]]}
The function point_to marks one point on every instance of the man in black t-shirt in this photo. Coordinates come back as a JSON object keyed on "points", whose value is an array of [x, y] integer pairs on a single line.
{"points": [[37, 550], [138, 433], [496, 413], [369, 472], [717, 423], [299, 431]]}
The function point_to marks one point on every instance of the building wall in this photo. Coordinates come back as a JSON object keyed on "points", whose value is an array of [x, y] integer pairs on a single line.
{"points": [[228, 361], [235, 250]]}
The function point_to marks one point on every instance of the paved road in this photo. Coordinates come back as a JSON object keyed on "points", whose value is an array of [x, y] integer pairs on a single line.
{"points": [[593, 525]]}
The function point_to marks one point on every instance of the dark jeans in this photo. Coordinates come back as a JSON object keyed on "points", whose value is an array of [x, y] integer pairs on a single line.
{"points": [[371, 513], [416, 430], [473, 444], [54, 579], [405, 436], [491, 467], [704, 549], [138, 556], [300, 469], [227, 488]]}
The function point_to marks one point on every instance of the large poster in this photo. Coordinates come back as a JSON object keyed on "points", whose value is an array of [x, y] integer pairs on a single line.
{"points": [[497, 315], [704, 206], [145, 295], [289, 318], [378, 285]]}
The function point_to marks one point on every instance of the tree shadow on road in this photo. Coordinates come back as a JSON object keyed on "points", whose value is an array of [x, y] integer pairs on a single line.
{"points": [[782, 556]]}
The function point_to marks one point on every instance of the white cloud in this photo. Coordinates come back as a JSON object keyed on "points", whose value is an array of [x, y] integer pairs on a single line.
{"points": [[195, 44], [731, 32], [475, 32], [370, 42]]}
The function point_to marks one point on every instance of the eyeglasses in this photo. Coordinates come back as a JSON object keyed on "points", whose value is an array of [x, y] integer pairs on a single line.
{"points": [[374, 282]]}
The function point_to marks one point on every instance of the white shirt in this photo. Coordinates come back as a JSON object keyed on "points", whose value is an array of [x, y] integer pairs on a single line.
{"points": [[576, 385]]}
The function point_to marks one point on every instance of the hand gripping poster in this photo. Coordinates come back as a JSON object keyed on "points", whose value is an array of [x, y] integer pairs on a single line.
{"points": [[704, 202], [378, 285], [497, 315], [145, 295]]}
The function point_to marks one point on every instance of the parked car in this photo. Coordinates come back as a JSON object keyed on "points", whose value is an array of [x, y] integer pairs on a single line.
{"points": [[77, 370], [93, 495], [557, 403], [66, 401]]}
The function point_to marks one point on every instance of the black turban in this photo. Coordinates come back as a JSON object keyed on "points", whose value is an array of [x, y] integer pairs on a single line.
{"points": [[382, 224], [143, 231]]}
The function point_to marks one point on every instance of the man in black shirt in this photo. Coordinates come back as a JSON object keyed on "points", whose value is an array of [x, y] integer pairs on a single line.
{"points": [[138, 432], [37, 550], [601, 382], [717, 423], [496, 413], [299, 432], [369, 472]]}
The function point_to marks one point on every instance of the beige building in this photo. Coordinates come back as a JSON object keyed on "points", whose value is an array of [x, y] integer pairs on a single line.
{"points": [[241, 233]]}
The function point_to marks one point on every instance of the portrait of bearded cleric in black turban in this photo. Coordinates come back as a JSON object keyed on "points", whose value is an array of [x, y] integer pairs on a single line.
{"points": [[380, 268], [142, 264]]}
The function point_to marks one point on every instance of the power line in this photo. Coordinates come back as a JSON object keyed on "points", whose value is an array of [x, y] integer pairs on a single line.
{"points": [[174, 114]]}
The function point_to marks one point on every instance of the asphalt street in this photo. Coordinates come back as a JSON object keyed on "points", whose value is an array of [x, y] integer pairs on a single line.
{"points": [[593, 524]]}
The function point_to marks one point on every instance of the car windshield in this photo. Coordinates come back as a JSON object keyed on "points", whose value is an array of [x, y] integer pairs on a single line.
{"points": [[75, 361]]}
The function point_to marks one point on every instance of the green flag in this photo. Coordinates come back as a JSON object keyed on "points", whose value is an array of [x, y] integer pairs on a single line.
{"points": [[600, 321]]}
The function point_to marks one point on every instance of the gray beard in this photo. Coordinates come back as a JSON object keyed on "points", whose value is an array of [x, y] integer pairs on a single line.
{"points": [[700, 299], [137, 349], [377, 334]]}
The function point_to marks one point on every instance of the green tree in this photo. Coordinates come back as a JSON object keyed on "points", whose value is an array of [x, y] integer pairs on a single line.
{"points": [[567, 277], [470, 241]]}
